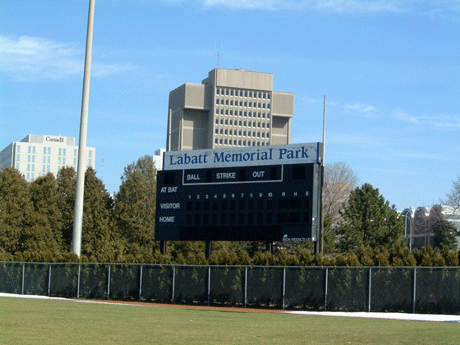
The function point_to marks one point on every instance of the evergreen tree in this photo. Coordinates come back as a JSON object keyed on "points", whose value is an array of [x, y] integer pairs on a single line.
{"points": [[97, 237], [445, 233], [369, 221], [15, 210], [65, 194], [45, 221], [135, 206]]}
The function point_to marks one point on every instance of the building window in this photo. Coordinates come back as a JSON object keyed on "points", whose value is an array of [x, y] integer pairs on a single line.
{"points": [[90, 162], [18, 148]]}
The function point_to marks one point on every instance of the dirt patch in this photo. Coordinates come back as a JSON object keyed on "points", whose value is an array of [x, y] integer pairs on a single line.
{"points": [[200, 307]]}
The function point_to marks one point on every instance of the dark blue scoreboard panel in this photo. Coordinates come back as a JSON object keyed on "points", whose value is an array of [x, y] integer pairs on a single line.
{"points": [[251, 203]]}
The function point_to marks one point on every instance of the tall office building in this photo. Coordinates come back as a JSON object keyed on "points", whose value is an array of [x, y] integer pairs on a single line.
{"points": [[230, 108], [37, 155]]}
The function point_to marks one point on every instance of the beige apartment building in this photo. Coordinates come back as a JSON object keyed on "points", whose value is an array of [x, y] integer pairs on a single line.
{"points": [[230, 108]]}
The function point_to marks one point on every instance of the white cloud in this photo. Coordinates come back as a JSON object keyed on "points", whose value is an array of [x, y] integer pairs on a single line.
{"points": [[28, 58], [439, 121], [339, 6], [364, 108]]}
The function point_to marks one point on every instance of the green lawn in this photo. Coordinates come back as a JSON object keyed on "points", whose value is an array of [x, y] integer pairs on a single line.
{"points": [[28, 321]]}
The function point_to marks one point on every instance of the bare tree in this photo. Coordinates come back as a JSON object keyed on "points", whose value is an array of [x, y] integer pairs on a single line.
{"points": [[453, 198], [339, 182]]}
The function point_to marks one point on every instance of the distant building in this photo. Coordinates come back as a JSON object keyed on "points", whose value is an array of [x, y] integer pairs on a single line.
{"points": [[420, 223], [158, 159], [37, 155], [230, 108]]}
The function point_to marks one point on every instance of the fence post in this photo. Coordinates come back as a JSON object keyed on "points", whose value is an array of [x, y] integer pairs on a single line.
{"points": [[173, 284], [370, 290], [209, 286], [78, 280], [23, 274], [140, 284], [325, 288], [415, 290], [108, 283], [284, 288], [49, 280]]}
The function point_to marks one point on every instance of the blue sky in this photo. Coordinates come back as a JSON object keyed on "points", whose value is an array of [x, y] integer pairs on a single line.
{"points": [[390, 70]]}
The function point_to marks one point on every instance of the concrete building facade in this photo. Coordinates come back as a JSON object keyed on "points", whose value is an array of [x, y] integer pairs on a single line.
{"points": [[230, 108], [37, 155]]}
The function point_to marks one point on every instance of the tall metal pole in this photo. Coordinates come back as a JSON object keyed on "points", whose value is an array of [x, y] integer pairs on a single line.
{"points": [[322, 176], [81, 168]]}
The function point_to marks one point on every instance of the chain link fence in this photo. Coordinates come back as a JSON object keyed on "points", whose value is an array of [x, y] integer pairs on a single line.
{"points": [[379, 289]]}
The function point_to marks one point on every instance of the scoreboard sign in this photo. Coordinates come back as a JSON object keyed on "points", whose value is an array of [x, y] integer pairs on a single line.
{"points": [[269, 193]]}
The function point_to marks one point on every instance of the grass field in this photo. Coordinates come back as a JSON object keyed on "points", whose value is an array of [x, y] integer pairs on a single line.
{"points": [[31, 321]]}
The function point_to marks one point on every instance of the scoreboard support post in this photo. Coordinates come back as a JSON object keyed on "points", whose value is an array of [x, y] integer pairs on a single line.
{"points": [[163, 247], [208, 249]]}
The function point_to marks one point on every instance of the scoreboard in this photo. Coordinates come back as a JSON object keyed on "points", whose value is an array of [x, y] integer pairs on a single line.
{"points": [[247, 194]]}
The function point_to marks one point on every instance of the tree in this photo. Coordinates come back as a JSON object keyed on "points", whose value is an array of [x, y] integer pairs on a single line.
{"points": [[135, 206], [445, 234], [45, 221], [97, 239], [453, 198], [15, 210], [65, 195], [339, 182], [369, 221]]}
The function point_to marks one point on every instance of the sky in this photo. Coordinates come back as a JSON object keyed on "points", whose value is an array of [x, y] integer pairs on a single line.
{"points": [[390, 71]]}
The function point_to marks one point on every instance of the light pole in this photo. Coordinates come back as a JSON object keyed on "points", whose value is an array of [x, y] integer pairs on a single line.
{"points": [[81, 167], [409, 216]]}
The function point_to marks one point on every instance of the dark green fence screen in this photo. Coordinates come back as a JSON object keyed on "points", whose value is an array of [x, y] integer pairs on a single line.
{"points": [[386, 289]]}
